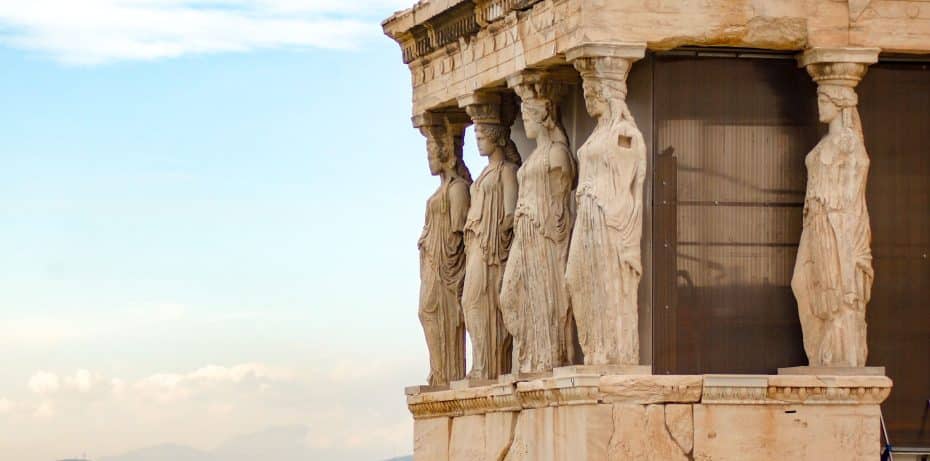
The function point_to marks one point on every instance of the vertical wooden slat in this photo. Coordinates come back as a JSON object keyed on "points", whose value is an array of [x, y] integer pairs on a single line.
{"points": [[739, 130], [895, 108]]}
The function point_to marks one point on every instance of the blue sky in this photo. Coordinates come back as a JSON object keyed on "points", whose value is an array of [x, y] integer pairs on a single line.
{"points": [[205, 236]]}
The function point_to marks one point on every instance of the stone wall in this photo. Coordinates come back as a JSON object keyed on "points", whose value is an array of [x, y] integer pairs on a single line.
{"points": [[578, 417]]}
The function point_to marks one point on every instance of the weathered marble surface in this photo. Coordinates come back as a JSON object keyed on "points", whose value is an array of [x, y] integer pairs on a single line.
{"points": [[569, 418], [540, 34], [442, 252], [833, 274], [534, 298], [604, 262], [481, 437], [431, 439], [651, 389], [489, 233], [782, 432]]}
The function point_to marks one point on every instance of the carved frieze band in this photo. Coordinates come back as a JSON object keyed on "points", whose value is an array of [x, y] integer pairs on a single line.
{"points": [[811, 390], [648, 389], [459, 22]]}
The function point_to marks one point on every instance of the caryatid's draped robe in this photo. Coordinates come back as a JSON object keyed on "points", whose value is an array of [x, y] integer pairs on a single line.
{"points": [[604, 264], [534, 297], [487, 245], [442, 272], [833, 273]]}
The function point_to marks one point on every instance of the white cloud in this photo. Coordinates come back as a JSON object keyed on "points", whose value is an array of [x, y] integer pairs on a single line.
{"points": [[43, 382], [45, 410], [118, 386], [82, 381], [170, 387], [239, 372], [97, 31], [204, 406]]}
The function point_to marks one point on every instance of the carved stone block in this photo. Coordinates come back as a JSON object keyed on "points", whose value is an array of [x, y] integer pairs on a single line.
{"points": [[741, 432], [431, 439]]}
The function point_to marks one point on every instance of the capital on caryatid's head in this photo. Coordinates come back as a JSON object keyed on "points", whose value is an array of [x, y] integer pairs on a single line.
{"points": [[441, 126], [837, 71], [484, 107], [535, 84], [610, 60], [838, 66], [604, 68]]}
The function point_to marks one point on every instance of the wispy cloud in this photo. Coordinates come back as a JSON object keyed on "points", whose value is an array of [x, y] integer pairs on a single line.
{"points": [[91, 32]]}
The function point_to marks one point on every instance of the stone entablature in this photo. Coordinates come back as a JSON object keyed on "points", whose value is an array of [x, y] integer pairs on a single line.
{"points": [[431, 25], [563, 389], [454, 47]]}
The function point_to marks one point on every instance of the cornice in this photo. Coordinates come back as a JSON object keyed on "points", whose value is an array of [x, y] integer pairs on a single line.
{"points": [[587, 389], [433, 24]]}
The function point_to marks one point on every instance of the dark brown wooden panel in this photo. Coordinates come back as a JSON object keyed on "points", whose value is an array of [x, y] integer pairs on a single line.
{"points": [[732, 135], [730, 140], [894, 102]]}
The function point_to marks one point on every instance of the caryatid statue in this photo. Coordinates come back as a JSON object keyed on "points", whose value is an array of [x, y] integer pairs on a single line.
{"points": [[833, 272], [442, 250], [604, 264], [489, 233], [534, 299]]}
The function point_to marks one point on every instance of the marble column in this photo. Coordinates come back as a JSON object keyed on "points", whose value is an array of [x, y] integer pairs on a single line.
{"points": [[489, 233], [534, 299], [833, 272], [604, 263], [442, 248]]}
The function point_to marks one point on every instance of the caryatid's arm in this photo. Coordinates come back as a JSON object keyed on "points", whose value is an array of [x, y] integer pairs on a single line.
{"points": [[459, 201], [511, 191]]}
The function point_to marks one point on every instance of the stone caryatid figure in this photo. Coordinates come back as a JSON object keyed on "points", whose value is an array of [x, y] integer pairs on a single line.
{"points": [[604, 264], [534, 298], [442, 250], [833, 272], [489, 233]]}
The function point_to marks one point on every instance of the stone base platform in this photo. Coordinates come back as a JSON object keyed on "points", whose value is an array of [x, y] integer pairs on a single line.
{"points": [[590, 417]]}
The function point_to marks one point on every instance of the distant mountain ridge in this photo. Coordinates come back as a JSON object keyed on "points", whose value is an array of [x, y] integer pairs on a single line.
{"points": [[166, 452], [284, 443], [171, 452]]}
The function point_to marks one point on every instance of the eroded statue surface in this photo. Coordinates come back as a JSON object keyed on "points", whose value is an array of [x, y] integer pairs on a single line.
{"points": [[534, 298], [833, 272], [604, 263], [442, 256], [488, 237]]}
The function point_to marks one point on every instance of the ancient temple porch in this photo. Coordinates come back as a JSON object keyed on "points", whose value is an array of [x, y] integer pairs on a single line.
{"points": [[725, 95]]}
